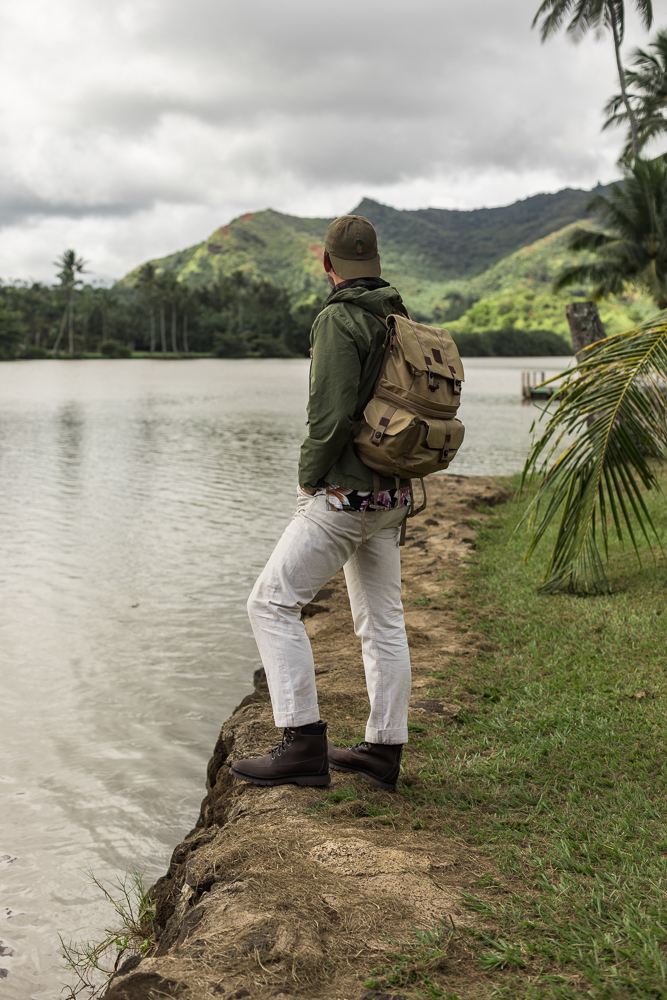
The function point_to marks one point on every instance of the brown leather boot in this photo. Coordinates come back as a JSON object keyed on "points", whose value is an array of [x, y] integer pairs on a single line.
{"points": [[379, 763], [299, 759]]}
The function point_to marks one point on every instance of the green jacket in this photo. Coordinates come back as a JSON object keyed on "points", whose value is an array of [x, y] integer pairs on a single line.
{"points": [[347, 352]]}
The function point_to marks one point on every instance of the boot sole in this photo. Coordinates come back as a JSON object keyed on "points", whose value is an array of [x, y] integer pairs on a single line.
{"points": [[386, 786], [292, 779]]}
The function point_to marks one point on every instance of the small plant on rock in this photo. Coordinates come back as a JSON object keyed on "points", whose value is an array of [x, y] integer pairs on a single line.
{"points": [[93, 963]]}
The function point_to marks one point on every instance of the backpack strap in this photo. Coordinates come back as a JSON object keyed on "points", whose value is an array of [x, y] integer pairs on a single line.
{"points": [[383, 423], [456, 391], [417, 510], [432, 383]]}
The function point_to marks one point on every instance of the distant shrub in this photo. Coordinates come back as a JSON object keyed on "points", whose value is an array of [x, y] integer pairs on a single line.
{"points": [[230, 345], [31, 353], [115, 349], [512, 343]]}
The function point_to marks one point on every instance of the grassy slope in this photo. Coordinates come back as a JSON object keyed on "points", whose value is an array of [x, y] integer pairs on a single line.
{"points": [[558, 769], [517, 292]]}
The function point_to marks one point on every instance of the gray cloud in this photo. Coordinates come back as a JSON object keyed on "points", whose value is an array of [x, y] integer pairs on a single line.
{"points": [[155, 112]]}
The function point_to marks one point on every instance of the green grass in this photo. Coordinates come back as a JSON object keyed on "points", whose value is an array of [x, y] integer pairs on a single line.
{"points": [[414, 963], [557, 769]]}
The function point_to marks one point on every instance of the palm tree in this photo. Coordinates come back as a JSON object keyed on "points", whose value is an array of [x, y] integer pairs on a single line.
{"points": [[146, 285], [614, 403], [70, 266], [648, 83], [162, 283], [171, 289], [632, 248], [186, 300], [106, 301], [597, 14]]}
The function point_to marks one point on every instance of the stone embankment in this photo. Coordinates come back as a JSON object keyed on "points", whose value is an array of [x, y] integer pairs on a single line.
{"points": [[294, 892]]}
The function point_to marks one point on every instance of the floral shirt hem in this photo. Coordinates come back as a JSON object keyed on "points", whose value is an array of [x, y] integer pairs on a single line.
{"points": [[339, 498]]}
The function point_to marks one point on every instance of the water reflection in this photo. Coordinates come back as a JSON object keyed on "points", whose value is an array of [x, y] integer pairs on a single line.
{"points": [[138, 502]]}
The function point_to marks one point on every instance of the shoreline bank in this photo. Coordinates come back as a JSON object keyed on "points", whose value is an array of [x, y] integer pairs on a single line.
{"points": [[288, 891]]}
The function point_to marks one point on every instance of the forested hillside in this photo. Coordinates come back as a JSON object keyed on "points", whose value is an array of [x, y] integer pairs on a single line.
{"points": [[516, 293], [254, 287], [425, 252]]}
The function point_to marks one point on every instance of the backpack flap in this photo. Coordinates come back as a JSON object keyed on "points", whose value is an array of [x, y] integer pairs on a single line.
{"points": [[427, 348], [445, 437], [383, 418]]}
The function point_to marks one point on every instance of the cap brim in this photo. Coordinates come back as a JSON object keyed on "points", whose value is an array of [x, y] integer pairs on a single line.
{"points": [[355, 268]]}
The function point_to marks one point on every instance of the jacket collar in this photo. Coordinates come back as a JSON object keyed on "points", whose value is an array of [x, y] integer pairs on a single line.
{"points": [[369, 283]]}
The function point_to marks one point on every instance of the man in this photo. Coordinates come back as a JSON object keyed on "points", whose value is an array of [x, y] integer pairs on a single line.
{"points": [[338, 523]]}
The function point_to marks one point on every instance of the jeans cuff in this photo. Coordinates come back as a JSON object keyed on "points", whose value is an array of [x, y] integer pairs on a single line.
{"points": [[387, 736], [291, 719]]}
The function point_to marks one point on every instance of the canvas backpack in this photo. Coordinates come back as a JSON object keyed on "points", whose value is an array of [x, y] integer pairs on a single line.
{"points": [[409, 427]]}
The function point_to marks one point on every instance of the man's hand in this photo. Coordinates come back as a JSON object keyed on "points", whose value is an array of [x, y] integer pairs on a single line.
{"points": [[311, 493]]}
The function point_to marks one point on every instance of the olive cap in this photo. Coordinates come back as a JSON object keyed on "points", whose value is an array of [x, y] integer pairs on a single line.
{"points": [[352, 245]]}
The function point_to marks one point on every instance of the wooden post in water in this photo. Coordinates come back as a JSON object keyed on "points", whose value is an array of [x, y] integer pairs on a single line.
{"points": [[586, 326]]}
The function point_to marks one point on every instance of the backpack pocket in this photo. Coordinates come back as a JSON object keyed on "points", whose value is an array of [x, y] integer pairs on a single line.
{"points": [[397, 443]]}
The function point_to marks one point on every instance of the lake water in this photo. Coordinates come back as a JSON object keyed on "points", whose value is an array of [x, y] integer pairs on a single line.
{"points": [[138, 502]]}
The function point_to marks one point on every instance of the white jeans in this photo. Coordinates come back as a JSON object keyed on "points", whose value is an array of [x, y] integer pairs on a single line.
{"points": [[314, 546]]}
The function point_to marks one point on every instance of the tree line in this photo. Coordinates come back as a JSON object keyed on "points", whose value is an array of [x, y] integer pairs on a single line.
{"points": [[234, 317]]}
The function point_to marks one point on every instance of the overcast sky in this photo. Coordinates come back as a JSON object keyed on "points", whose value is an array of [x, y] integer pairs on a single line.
{"points": [[132, 129]]}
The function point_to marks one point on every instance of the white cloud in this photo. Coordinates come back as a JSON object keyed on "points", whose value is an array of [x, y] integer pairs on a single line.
{"points": [[130, 129]]}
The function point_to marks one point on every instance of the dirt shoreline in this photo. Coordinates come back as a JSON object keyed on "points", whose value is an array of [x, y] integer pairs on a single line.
{"points": [[292, 892]]}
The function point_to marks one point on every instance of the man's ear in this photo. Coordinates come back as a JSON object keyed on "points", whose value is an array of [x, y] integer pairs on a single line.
{"points": [[326, 260]]}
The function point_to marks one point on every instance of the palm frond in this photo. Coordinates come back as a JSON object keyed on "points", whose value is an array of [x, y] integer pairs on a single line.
{"points": [[647, 92], [589, 239], [596, 456], [645, 10], [615, 111], [553, 13], [606, 278]]}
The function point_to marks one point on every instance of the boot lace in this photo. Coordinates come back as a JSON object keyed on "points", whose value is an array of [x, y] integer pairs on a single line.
{"points": [[288, 736]]}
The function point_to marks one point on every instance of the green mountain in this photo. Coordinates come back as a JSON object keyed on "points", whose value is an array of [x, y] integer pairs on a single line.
{"points": [[422, 251], [482, 269]]}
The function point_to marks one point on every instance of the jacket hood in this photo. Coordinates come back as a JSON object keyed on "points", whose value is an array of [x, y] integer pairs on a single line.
{"points": [[370, 293]]}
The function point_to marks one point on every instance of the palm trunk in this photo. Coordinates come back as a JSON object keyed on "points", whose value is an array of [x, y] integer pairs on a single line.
{"points": [[586, 327], [61, 330], [163, 335], [152, 330], [621, 77], [174, 346], [36, 338], [71, 327], [186, 349]]}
